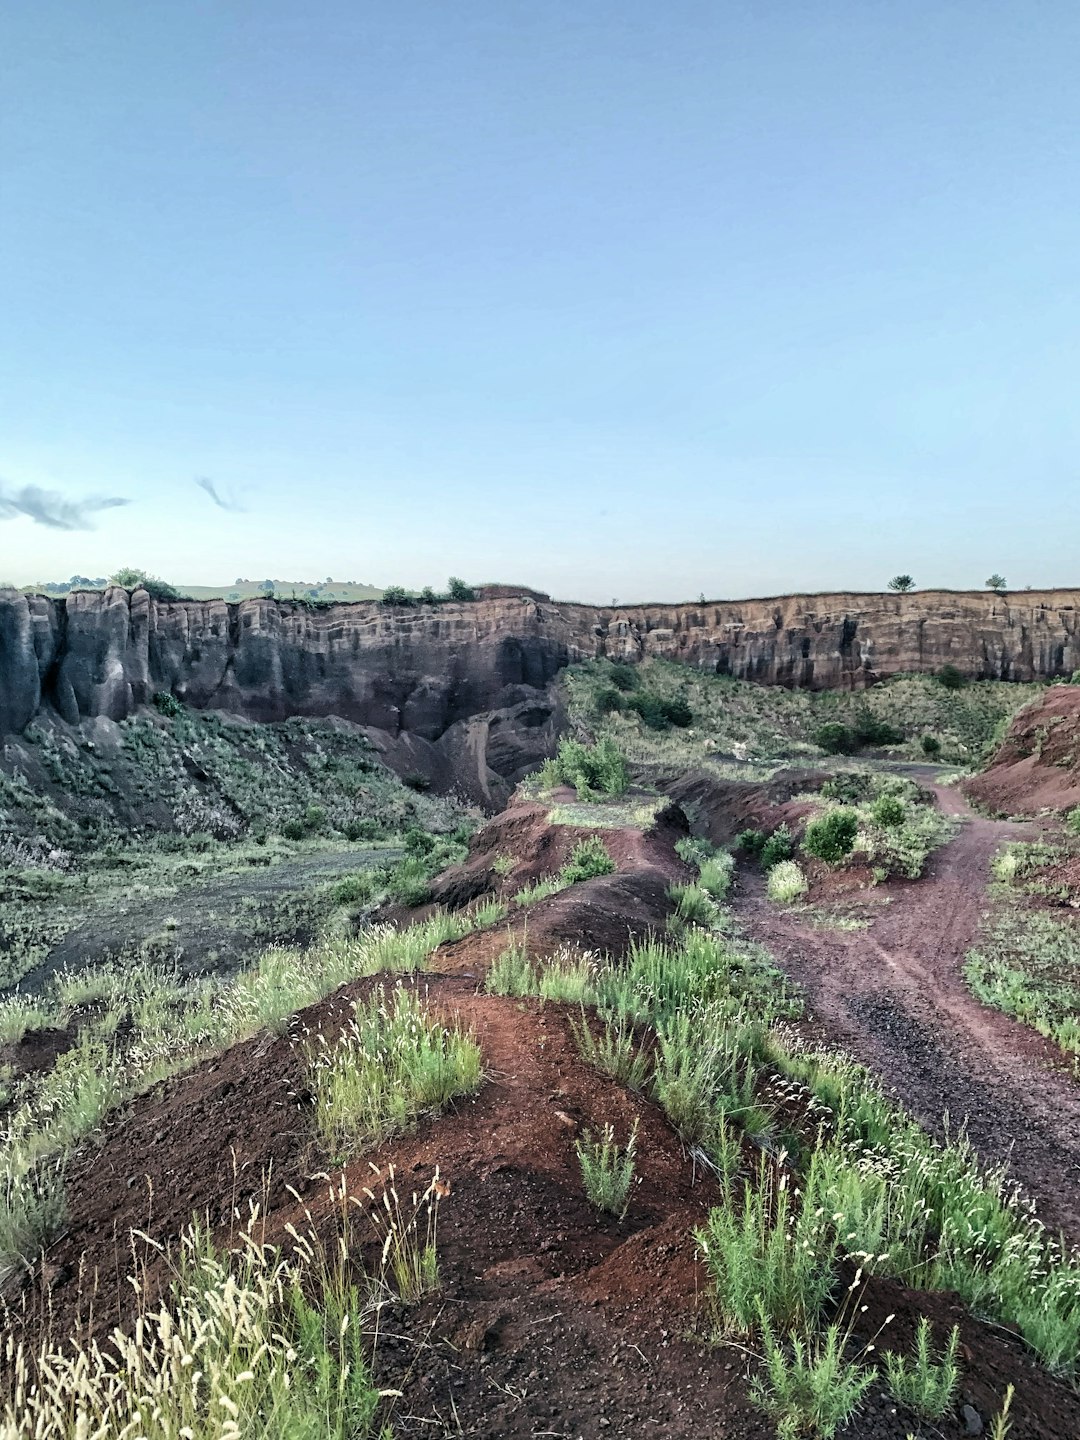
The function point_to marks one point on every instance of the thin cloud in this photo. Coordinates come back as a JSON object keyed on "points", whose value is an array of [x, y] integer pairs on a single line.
{"points": [[49, 507], [223, 502]]}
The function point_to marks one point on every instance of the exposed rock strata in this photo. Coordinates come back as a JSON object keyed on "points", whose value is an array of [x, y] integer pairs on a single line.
{"points": [[421, 671]]}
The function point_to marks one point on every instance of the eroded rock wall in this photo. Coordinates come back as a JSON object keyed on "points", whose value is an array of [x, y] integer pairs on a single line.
{"points": [[422, 670]]}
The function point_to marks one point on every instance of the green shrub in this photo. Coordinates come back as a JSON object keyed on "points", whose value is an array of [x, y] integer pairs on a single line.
{"points": [[786, 883], [396, 595], [888, 811], [851, 786], [693, 905], [657, 712], [294, 829], [625, 677], [694, 849], [951, 678], [931, 745], [419, 841], [315, 818], [365, 829], [356, 889], [608, 700], [168, 704], [834, 738], [778, 847], [409, 882], [588, 858], [677, 712], [457, 589], [870, 730], [591, 769], [831, 836], [650, 709], [751, 843], [132, 579], [714, 876], [1072, 820]]}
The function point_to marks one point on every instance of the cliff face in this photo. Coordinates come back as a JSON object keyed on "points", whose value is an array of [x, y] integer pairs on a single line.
{"points": [[420, 671]]}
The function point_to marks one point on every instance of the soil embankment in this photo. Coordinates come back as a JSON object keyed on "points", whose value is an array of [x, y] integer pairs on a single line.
{"points": [[1037, 766]]}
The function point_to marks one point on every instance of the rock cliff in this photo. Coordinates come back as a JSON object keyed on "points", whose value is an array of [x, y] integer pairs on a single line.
{"points": [[420, 675]]}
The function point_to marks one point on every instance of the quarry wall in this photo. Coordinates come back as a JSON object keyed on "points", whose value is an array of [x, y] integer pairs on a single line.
{"points": [[420, 670]]}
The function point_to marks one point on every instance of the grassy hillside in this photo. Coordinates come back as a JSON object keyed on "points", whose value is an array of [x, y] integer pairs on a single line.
{"points": [[665, 713]]}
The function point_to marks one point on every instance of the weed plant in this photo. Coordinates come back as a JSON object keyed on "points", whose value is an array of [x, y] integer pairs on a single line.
{"points": [[150, 1026], [921, 1382], [615, 1052], [282, 1341], [786, 883], [393, 1063], [607, 1169], [809, 1386], [1027, 964], [772, 1262]]}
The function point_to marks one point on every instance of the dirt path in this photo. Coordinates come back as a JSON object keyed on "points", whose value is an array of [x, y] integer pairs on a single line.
{"points": [[894, 996]]}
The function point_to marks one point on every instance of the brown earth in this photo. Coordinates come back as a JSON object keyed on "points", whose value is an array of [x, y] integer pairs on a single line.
{"points": [[1037, 767], [553, 1320]]}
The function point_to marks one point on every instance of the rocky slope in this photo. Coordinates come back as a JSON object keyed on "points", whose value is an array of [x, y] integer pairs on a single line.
{"points": [[419, 675]]}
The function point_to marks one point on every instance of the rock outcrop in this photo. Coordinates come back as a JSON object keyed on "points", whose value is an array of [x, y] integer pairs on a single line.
{"points": [[420, 675]]}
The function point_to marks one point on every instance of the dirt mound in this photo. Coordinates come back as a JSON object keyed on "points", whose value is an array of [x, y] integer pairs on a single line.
{"points": [[719, 808], [524, 835], [1037, 767]]}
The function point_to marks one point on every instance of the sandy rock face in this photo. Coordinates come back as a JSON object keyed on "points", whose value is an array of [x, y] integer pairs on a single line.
{"points": [[422, 670]]}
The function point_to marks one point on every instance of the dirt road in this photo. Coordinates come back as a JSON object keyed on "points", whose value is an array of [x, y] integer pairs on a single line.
{"points": [[894, 997]]}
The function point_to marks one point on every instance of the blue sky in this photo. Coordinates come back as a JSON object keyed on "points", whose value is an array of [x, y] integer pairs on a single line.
{"points": [[619, 299]]}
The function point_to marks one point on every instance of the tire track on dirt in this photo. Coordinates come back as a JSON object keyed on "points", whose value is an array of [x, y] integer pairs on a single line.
{"points": [[894, 997]]}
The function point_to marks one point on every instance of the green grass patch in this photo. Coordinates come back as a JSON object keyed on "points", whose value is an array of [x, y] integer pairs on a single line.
{"points": [[1027, 964], [393, 1063]]}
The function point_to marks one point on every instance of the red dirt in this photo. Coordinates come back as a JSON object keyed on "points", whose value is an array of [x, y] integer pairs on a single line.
{"points": [[1038, 766], [539, 849], [720, 809], [552, 1320]]}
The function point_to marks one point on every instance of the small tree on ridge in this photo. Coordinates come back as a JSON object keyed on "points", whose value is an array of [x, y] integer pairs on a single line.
{"points": [[902, 583]]}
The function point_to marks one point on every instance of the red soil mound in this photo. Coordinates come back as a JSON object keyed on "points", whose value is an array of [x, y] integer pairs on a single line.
{"points": [[720, 809], [1038, 765], [523, 834]]}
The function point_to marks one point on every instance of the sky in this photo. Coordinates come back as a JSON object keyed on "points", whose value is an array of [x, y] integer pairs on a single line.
{"points": [[622, 300]]}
